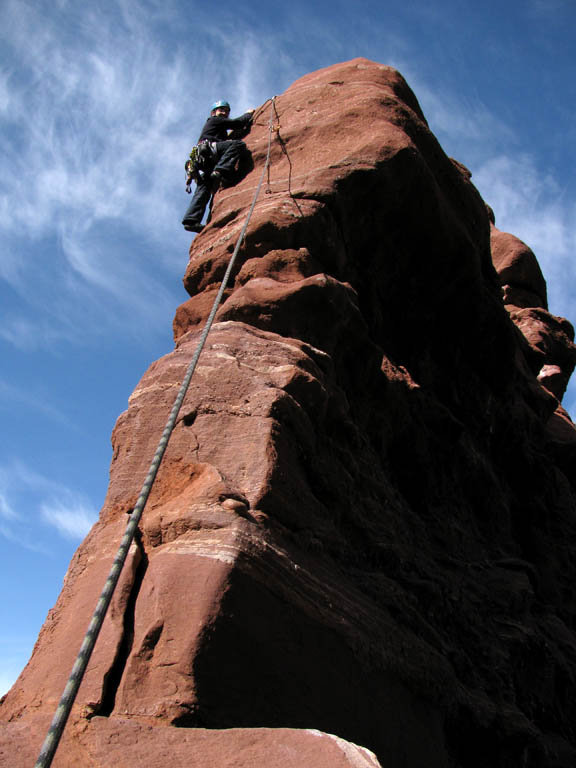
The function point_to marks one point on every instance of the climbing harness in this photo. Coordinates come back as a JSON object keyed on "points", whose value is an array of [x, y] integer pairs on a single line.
{"points": [[196, 166], [67, 699]]}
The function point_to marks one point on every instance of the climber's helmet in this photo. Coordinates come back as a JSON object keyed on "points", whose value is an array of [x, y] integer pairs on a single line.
{"points": [[220, 107]]}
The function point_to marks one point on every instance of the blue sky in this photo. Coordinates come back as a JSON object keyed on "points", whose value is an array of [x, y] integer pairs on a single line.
{"points": [[99, 105]]}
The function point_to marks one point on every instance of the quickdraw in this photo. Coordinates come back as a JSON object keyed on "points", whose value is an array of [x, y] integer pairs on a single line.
{"points": [[190, 168]]}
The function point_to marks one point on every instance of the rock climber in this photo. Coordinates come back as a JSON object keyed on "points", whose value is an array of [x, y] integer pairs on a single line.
{"points": [[217, 156]]}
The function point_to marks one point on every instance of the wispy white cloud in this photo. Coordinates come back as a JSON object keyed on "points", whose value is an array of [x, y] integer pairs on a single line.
{"points": [[27, 498], [531, 205], [11, 396], [6, 510], [72, 517], [91, 123], [29, 333], [5, 91], [460, 119]]}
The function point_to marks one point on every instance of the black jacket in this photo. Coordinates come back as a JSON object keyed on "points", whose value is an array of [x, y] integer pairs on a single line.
{"points": [[216, 128]]}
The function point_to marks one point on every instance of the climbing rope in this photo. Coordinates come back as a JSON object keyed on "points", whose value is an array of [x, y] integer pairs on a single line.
{"points": [[67, 699], [260, 109], [284, 149]]}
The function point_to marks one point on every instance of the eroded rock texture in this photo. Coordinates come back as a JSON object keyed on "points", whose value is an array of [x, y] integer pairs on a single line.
{"points": [[365, 520]]}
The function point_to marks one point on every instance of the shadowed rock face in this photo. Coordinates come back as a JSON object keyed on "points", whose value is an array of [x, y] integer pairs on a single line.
{"points": [[365, 520]]}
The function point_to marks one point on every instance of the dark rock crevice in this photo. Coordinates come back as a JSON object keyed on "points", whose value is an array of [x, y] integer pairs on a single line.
{"points": [[113, 678]]}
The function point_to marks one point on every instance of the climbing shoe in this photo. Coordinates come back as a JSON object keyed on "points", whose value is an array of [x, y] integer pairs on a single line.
{"points": [[191, 226]]}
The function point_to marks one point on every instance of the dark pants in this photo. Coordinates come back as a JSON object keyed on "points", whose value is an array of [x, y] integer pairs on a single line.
{"points": [[224, 160]]}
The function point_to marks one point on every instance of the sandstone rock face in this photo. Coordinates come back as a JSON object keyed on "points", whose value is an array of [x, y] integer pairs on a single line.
{"points": [[365, 521], [122, 742]]}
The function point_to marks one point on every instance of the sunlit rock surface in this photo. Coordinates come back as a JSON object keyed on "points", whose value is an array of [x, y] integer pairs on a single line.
{"points": [[365, 521]]}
